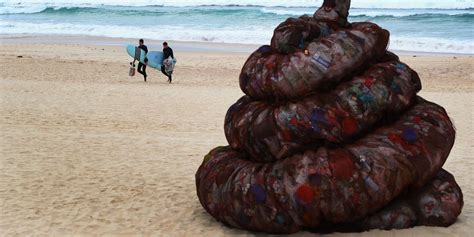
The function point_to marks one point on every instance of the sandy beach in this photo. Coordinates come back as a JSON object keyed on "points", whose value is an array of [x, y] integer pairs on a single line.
{"points": [[87, 150]]}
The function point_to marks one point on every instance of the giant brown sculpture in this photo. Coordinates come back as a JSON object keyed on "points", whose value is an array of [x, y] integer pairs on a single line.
{"points": [[330, 136]]}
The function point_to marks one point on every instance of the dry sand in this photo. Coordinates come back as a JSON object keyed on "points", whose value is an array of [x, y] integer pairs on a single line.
{"points": [[85, 149]]}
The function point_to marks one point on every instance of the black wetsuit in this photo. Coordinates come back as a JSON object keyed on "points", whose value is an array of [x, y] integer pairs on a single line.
{"points": [[167, 52], [141, 66]]}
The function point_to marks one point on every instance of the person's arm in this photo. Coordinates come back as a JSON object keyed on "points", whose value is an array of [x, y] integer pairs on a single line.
{"points": [[146, 52], [144, 48]]}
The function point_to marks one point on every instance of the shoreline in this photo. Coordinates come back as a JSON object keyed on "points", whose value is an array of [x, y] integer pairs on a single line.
{"points": [[187, 46]]}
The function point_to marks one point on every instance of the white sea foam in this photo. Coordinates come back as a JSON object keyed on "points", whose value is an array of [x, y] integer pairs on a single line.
{"points": [[18, 10], [260, 35], [221, 35], [405, 4], [287, 11], [356, 12], [429, 45]]}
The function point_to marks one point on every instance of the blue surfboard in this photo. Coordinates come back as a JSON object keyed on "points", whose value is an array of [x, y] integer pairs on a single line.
{"points": [[155, 58], [136, 53]]}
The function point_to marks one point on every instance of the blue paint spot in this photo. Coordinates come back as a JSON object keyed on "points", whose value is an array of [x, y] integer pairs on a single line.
{"points": [[409, 135], [396, 88], [318, 117], [366, 99], [259, 193], [264, 49], [400, 66]]}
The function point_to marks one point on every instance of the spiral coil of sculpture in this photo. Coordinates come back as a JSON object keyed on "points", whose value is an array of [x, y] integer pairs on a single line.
{"points": [[330, 135]]}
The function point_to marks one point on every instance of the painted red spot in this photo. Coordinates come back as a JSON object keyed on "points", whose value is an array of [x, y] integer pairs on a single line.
{"points": [[349, 125], [341, 165], [305, 194], [369, 82], [294, 122], [417, 120], [269, 65], [394, 138]]}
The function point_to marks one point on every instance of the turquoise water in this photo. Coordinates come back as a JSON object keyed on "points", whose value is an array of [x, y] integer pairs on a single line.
{"points": [[427, 30]]}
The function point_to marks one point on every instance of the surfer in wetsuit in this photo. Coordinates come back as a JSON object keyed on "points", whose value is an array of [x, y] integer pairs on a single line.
{"points": [[167, 52], [141, 66]]}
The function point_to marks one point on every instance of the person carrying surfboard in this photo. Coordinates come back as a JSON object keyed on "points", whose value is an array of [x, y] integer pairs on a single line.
{"points": [[167, 52], [141, 66]]}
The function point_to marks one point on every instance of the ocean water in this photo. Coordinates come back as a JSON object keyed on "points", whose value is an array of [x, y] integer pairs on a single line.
{"points": [[424, 25]]}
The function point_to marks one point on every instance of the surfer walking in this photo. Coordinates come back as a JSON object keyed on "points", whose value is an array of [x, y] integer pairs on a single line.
{"points": [[141, 66], [167, 52]]}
